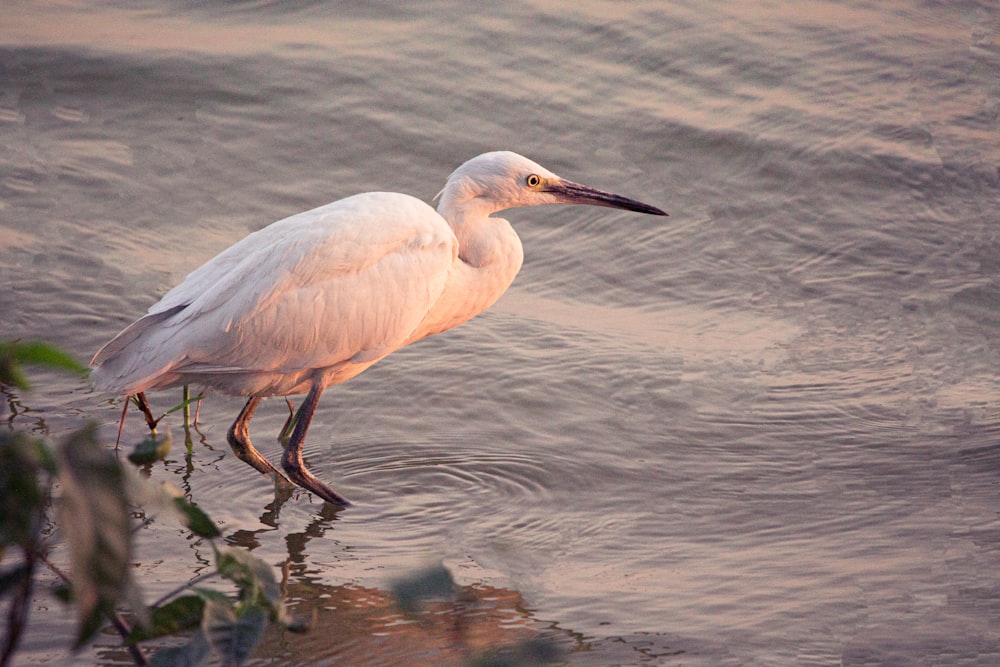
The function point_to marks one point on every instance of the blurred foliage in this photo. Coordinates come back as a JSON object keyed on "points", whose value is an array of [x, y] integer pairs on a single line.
{"points": [[154, 448], [431, 583], [94, 517], [530, 653], [26, 470], [94, 513], [14, 354], [415, 594]]}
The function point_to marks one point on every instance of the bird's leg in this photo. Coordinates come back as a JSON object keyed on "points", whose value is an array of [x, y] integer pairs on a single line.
{"points": [[239, 440], [292, 461], [140, 400], [121, 422]]}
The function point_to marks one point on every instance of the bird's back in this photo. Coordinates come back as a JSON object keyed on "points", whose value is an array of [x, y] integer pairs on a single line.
{"points": [[339, 286]]}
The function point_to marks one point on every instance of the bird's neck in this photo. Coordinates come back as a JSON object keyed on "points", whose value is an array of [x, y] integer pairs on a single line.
{"points": [[482, 240], [490, 255]]}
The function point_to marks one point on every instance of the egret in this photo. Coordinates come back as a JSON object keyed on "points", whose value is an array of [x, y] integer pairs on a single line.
{"points": [[315, 299]]}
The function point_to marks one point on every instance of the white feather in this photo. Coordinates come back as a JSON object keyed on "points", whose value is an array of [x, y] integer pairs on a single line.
{"points": [[318, 297]]}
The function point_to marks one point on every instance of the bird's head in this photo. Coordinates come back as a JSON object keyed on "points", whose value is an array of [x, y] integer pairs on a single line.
{"points": [[500, 180]]}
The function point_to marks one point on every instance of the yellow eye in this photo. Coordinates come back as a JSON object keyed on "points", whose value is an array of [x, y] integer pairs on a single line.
{"points": [[533, 181]]}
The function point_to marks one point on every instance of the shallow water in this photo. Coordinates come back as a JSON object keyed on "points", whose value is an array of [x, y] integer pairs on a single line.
{"points": [[763, 431]]}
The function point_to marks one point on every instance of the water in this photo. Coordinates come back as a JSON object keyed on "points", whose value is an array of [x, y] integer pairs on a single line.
{"points": [[765, 431]]}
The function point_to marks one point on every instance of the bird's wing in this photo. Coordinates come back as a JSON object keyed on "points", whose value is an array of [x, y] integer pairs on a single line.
{"points": [[348, 282]]}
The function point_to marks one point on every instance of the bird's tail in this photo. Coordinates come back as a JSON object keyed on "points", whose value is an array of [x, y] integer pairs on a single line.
{"points": [[129, 362]]}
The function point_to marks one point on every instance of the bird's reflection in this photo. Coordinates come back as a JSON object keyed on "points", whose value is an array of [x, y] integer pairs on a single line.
{"points": [[323, 520], [364, 625]]}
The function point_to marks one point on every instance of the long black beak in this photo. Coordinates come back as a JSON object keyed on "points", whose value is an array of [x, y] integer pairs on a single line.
{"points": [[569, 192]]}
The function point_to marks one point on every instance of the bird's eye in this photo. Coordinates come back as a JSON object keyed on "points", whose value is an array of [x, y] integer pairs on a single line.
{"points": [[533, 181]]}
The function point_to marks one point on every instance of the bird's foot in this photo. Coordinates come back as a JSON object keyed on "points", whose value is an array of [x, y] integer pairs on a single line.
{"points": [[147, 413], [299, 475], [253, 458], [246, 452]]}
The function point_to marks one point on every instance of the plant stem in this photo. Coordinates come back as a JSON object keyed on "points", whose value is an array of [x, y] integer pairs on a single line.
{"points": [[186, 402], [117, 620], [17, 615], [181, 589]]}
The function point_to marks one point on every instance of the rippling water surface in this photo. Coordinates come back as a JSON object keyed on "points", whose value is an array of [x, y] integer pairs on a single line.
{"points": [[763, 431]]}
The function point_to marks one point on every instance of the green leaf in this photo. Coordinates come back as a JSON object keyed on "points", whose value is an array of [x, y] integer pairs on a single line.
{"points": [[13, 577], [433, 582], [14, 353], [186, 402], [10, 372], [253, 576], [213, 595], [91, 622], [300, 626], [63, 593], [94, 516], [154, 448], [23, 491], [195, 519], [183, 613], [233, 635], [192, 654]]}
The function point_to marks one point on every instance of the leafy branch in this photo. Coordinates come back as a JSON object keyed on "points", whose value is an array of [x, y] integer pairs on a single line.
{"points": [[92, 511]]}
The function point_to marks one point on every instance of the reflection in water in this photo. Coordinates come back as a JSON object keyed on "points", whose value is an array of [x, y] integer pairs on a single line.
{"points": [[764, 433], [350, 623], [358, 625]]}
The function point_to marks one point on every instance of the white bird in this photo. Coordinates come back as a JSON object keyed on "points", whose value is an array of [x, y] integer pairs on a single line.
{"points": [[313, 300]]}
